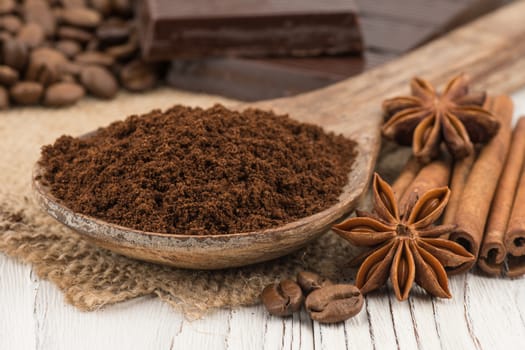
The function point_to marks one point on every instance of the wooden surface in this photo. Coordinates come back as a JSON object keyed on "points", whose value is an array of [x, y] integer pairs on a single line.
{"points": [[485, 313]]}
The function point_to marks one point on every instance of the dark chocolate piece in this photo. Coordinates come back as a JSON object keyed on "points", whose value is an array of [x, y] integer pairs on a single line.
{"points": [[250, 79], [389, 30], [253, 28]]}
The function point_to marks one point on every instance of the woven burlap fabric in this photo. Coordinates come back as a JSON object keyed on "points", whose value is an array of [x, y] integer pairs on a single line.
{"points": [[91, 277]]}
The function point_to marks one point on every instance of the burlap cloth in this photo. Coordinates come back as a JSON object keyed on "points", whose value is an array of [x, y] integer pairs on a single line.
{"points": [[91, 277]]}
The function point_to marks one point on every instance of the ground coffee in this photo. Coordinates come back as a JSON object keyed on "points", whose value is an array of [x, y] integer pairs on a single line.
{"points": [[200, 171]]}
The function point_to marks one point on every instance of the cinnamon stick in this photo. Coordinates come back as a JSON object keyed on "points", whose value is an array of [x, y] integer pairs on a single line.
{"points": [[432, 175], [515, 235], [407, 175], [493, 250], [479, 190], [460, 173]]}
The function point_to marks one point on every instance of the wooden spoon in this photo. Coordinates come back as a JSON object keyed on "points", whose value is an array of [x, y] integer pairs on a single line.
{"points": [[238, 249], [491, 50]]}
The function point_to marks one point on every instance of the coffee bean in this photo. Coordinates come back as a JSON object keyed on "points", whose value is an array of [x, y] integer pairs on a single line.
{"points": [[93, 44], [7, 6], [4, 98], [113, 33], [67, 78], [72, 33], [124, 51], [122, 7], [138, 76], [45, 65], [8, 76], [69, 48], [101, 6], [71, 68], [310, 281], [282, 299], [10, 23], [73, 3], [63, 94], [31, 34], [99, 81], [26, 92], [334, 303], [81, 17], [15, 53], [39, 12], [48, 54], [95, 58]]}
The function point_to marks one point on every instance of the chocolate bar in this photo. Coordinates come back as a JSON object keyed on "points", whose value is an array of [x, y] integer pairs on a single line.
{"points": [[251, 28], [255, 79], [389, 29]]}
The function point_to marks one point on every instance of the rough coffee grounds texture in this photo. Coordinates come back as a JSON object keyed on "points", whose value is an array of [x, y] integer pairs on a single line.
{"points": [[200, 171]]}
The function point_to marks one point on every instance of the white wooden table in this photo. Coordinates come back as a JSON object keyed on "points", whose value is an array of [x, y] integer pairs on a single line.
{"points": [[485, 313]]}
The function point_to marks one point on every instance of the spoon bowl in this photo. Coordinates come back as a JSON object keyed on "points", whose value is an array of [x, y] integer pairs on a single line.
{"points": [[238, 249]]}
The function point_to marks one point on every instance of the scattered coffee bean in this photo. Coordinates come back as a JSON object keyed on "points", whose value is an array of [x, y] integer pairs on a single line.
{"points": [[4, 98], [26, 92], [95, 58], [7, 6], [113, 33], [69, 48], [8, 76], [99, 81], [10, 23], [15, 54], [38, 11], [76, 34], [81, 17], [138, 76], [334, 303], [310, 281], [31, 34], [63, 94], [282, 299]]}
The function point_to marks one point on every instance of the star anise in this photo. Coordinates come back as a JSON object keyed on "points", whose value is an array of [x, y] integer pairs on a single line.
{"points": [[427, 118], [405, 246]]}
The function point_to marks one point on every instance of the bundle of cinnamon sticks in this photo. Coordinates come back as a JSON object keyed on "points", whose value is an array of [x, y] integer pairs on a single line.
{"points": [[487, 203]]}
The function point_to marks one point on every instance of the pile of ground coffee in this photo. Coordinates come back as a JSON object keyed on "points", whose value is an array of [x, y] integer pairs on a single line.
{"points": [[200, 171]]}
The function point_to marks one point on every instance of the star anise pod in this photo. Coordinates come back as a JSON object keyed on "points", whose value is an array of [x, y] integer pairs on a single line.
{"points": [[405, 246], [427, 118]]}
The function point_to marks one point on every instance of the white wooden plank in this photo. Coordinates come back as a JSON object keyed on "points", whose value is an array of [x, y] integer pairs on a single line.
{"points": [[452, 318], [403, 322], [496, 320], [329, 336], [210, 332], [144, 323], [16, 306], [358, 332], [295, 332], [381, 323], [242, 319]]}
